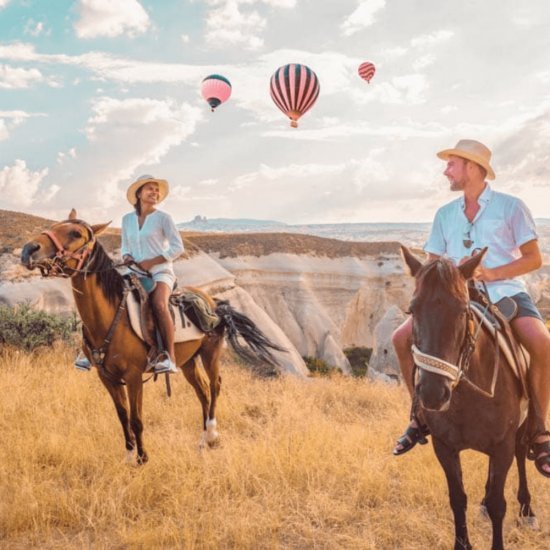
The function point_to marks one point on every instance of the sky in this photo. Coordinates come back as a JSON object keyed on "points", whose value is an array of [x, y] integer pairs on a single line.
{"points": [[95, 93]]}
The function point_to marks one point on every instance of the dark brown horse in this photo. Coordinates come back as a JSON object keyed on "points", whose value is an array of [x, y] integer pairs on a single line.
{"points": [[70, 249], [458, 366]]}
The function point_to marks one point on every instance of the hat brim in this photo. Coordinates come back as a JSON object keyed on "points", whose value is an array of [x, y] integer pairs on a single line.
{"points": [[132, 190], [444, 155]]}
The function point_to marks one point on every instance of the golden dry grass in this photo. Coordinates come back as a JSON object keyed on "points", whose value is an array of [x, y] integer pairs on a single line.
{"points": [[302, 464]]}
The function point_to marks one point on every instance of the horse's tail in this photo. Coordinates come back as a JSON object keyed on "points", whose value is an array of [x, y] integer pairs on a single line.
{"points": [[258, 344]]}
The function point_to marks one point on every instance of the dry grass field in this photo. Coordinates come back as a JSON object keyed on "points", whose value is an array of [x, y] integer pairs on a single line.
{"points": [[302, 464]]}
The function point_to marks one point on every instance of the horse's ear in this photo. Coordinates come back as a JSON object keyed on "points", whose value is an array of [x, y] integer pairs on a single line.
{"points": [[469, 266], [413, 263], [72, 214], [100, 227]]}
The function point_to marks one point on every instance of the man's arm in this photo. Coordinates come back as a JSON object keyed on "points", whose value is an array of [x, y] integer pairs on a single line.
{"points": [[530, 260]]}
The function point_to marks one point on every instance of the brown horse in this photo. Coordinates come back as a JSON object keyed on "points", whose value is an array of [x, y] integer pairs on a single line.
{"points": [[70, 249], [457, 367]]}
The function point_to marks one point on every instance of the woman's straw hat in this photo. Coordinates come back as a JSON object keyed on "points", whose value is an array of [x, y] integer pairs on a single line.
{"points": [[142, 180], [473, 150]]}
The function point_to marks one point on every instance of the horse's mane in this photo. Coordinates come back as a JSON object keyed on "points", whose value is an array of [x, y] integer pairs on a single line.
{"points": [[441, 273], [108, 278]]}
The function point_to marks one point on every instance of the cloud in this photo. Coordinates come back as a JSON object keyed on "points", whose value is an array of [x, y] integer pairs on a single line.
{"points": [[431, 39], [34, 28], [14, 77], [10, 120], [19, 186], [108, 18], [227, 24], [125, 138], [362, 17], [4, 3]]}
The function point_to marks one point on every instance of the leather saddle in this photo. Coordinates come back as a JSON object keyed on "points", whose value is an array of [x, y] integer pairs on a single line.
{"points": [[495, 318], [142, 319]]}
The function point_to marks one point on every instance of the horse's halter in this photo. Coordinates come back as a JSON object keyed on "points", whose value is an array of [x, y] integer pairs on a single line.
{"points": [[438, 366], [56, 266]]}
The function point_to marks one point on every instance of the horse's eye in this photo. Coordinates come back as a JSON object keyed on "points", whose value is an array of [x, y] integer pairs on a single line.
{"points": [[75, 234]]}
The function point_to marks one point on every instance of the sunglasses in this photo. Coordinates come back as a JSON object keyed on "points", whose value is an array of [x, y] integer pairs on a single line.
{"points": [[467, 240]]}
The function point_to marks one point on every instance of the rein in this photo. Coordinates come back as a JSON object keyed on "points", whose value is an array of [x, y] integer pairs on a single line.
{"points": [[458, 373]]}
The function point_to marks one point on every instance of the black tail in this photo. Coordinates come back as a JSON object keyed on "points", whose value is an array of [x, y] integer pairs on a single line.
{"points": [[238, 324]]}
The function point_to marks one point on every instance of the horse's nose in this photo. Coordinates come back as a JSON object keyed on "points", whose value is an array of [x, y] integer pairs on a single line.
{"points": [[434, 397], [28, 250]]}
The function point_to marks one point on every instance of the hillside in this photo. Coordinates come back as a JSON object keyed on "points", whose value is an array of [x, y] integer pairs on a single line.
{"points": [[16, 228]]}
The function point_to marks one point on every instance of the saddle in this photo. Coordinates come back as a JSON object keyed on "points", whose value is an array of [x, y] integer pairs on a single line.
{"points": [[495, 318], [191, 313]]}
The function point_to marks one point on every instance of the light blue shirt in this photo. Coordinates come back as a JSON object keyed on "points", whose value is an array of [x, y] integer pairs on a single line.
{"points": [[503, 223]]}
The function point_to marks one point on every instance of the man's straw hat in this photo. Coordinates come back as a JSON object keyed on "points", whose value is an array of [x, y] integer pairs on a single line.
{"points": [[142, 180], [473, 150]]}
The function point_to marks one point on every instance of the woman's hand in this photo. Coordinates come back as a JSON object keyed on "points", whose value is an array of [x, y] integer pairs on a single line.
{"points": [[128, 259], [146, 265]]}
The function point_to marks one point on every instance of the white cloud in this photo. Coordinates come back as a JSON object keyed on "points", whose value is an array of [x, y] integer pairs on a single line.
{"points": [[185, 38], [125, 139], [34, 28], [19, 186], [4, 3], [3, 130], [10, 120], [227, 24], [16, 77], [431, 39], [363, 16], [108, 18]]}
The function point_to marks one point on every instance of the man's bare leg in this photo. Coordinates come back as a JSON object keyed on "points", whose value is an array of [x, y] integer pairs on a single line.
{"points": [[534, 336]]}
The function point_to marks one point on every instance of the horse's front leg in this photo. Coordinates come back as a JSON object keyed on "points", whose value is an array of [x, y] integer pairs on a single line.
{"points": [[500, 462], [135, 396], [450, 462], [526, 515], [118, 394]]}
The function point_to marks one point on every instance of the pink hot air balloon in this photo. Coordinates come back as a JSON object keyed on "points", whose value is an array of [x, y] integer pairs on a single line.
{"points": [[216, 89], [366, 70], [294, 88]]}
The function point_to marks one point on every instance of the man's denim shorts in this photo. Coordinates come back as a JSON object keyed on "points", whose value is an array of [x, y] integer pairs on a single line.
{"points": [[526, 307]]}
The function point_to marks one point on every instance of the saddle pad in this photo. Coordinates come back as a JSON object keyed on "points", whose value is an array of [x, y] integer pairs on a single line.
{"points": [[184, 331], [519, 370]]}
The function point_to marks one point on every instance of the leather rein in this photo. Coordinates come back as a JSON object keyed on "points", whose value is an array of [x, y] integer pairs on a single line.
{"points": [[459, 372], [56, 267]]}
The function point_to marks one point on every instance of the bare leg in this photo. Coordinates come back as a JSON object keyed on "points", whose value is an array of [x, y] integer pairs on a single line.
{"points": [[159, 298], [402, 342], [534, 336]]}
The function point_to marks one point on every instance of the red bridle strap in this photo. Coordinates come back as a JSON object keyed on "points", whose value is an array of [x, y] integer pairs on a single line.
{"points": [[80, 254]]}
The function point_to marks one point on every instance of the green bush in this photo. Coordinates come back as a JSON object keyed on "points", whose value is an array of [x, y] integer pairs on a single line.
{"points": [[358, 358], [319, 367], [27, 328]]}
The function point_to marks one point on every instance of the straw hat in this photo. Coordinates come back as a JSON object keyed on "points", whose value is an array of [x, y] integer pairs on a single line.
{"points": [[473, 150], [142, 180]]}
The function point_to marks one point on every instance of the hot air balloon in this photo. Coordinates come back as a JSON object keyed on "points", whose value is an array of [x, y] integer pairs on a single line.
{"points": [[294, 88], [366, 70], [216, 89]]}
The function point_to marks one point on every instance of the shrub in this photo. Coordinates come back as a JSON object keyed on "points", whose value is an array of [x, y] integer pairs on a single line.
{"points": [[319, 367], [358, 358], [27, 328]]}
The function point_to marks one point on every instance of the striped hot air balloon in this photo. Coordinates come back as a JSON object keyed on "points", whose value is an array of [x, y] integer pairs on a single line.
{"points": [[366, 70], [216, 89], [294, 88]]}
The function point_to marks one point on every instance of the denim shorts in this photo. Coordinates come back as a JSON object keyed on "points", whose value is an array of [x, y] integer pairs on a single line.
{"points": [[526, 307]]}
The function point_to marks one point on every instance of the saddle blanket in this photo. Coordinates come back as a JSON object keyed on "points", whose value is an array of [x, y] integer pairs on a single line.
{"points": [[185, 329]]}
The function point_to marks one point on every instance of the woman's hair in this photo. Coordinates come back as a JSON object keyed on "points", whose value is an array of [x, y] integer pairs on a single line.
{"points": [[137, 206]]}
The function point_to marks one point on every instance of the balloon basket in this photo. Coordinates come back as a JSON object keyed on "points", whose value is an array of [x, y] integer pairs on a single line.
{"points": [[294, 124]]}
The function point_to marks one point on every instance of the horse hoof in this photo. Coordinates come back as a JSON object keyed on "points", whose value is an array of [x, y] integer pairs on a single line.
{"points": [[529, 522], [483, 511], [142, 459], [130, 457], [213, 443]]}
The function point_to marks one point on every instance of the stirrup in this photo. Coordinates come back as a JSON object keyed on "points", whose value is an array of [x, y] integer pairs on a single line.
{"points": [[410, 438]]}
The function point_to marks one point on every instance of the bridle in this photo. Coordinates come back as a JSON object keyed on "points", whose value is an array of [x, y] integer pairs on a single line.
{"points": [[57, 266], [457, 373]]}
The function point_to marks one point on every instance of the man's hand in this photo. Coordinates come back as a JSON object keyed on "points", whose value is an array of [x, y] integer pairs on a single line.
{"points": [[484, 274]]}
